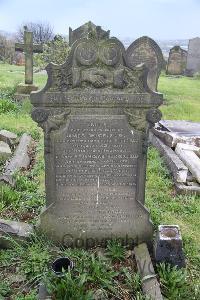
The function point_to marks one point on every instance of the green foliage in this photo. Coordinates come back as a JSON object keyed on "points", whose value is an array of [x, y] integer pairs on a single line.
{"points": [[7, 92], [25, 198], [132, 280], [100, 272], [91, 271], [70, 287], [173, 281], [32, 296], [55, 51], [4, 289], [8, 106], [36, 263], [115, 250]]}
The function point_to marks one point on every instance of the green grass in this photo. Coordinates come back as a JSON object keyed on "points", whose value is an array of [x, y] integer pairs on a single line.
{"points": [[11, 75], [31, 261], [182, 98]]}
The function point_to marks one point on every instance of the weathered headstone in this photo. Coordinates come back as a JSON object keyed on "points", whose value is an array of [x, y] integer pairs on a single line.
{"points": [[95, 112], [28, 48], [193, 57], [85, 30], [145, 50], [176, 61]]}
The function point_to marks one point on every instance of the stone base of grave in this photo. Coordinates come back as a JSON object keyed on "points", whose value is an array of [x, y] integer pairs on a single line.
{"points": [[23, 91], [12, 232], [131, 222], [150, 285]]}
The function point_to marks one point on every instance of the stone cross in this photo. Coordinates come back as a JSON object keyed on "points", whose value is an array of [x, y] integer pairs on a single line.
{"points": [[28, 48]]}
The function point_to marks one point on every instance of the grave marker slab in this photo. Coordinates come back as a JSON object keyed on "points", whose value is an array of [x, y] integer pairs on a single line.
{"points": [[145, 50], [193, 57], [95, 112], [176, 61]]}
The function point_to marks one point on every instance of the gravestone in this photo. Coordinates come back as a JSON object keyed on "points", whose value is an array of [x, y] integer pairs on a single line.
{"points": [[176, 61], [85, 30], [193, 57], [96, 113], [28, 48], [145, 50]]}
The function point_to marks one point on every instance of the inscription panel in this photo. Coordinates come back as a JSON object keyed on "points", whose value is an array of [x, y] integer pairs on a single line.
{"points": [[95, 169], [96, 150], [93, 99]]}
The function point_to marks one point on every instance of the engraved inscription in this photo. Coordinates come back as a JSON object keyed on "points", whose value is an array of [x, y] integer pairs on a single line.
{"points": [[92, 150]]}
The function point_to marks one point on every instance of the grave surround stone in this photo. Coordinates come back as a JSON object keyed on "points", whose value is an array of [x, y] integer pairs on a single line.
{"points": [[8, 137], [146, 50], [5, 151], [96, 113], [11, 231], [176, 61]]}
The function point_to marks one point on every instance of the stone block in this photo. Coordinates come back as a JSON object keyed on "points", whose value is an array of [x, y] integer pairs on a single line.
{"points": [[175, 165], [12, 232], [190, 158], [20, 159], [5, 151], [150, 285], [25, 89], [168, 246], [8, 137]]}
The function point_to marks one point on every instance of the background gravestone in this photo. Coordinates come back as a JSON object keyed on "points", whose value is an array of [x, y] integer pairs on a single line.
{"points": [[28, 48], [95, 113], [176, 61], [193, 57], [84, 30], [145, 50]]}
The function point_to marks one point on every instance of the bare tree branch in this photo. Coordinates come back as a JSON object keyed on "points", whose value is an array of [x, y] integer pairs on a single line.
{"points": [[42, 32]]}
